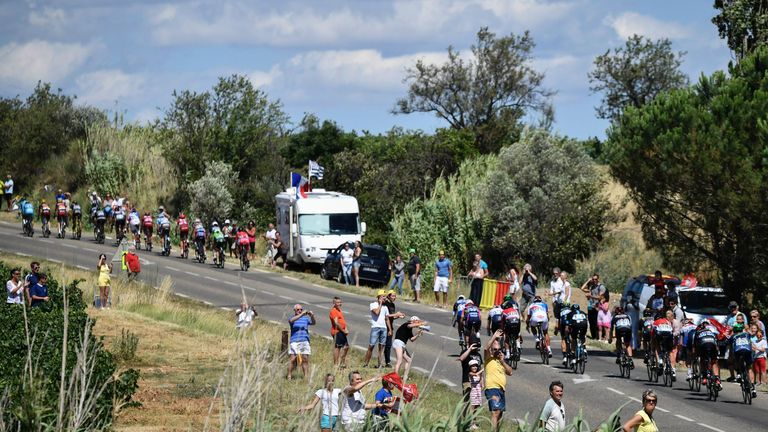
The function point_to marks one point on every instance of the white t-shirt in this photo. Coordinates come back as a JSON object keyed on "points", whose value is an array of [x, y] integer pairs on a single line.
{"points": [[270, 235], [514, 282], [553, 416], [8, 186], [353, 409], [14, 298], [380, 320], [347, 256], [245, 318], [330, 401], [556, 288]]}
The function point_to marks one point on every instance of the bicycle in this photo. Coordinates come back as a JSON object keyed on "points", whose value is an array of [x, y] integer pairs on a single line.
{"points": [[62, 229], [77, 229], [513, 354], [148, 239], [713, 390], [542, 343], [746, 385], [200, 251], [694, 384], [625, 363], [580, 355], [46, 228], [244, 262], [652, 367], [218, 256], [185, 249], [666, 368], [166, 244], [119, 234], [28, 228], [98, 232]]}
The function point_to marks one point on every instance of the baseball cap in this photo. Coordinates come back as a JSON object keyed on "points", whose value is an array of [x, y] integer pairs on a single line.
{"points": [[391, 292], [411, 250], [474, 363], [733, 304], [442, 252], [381, 292]]}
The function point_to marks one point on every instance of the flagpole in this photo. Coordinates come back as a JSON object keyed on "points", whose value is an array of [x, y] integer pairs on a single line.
{"points": [[309, 175]]}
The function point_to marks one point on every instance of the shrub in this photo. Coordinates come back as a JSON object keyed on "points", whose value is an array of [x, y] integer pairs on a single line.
{"points": [[124, 348], [210, 195]]}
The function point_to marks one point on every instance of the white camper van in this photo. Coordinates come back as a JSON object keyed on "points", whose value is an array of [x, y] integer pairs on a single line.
{"points": [[312, 226]]}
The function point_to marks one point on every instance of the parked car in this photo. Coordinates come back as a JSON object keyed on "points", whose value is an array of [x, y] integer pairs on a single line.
{"points": [[374, 265]]}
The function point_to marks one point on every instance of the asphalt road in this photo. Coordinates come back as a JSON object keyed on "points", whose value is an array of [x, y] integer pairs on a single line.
{"points": [[596, 394]]}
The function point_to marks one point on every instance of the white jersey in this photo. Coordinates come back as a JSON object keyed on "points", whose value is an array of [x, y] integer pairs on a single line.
{"points": [[538, 312], [494, 312]]}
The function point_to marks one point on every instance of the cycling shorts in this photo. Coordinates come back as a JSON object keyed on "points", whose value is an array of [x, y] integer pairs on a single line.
{"points": [[512, 330], [544, 325], [579, 330], [557, 306], [624, 335], [665, 340], [707, 351], [148, 230], [134, 229], [471, 327], [742, 356], [496, 325], [564, 326]]}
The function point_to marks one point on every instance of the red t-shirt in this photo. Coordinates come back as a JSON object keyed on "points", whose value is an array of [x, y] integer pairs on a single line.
{"points": [[132, 261], [336, 313]]}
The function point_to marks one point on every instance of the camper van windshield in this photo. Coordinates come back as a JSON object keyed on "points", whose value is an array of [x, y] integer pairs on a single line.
{"points": [[325, 224], [704, 302]]}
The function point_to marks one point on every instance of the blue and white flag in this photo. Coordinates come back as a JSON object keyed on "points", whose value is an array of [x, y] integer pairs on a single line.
{"points": [[315, 170], [301, 184]]}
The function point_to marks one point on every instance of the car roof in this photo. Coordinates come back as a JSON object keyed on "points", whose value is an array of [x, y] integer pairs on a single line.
{"points": [[699, 288]]}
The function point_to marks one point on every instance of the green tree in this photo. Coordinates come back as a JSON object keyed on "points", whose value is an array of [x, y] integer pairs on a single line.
{"points": [[210, 195], [635, 74], [316, 141], [488, 94], [742, 23], [550, 209], [696, 163]]}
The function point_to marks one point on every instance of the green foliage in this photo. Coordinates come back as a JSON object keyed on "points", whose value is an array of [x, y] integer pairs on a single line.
{"points": [[210, 195], [696, 163], [124, 348], [742, 23], [316, 141], [106, 172], [487, 94], [634, 74], [30, 365]]}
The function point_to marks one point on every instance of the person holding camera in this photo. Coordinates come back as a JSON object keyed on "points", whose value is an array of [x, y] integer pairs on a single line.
{"points": [[529, 281], [471, 354], [594, 291], [496, 372], [105, 268], [299, 349]]}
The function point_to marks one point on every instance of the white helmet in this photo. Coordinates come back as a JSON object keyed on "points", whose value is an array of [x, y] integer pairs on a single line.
{"points": [[215, 224], [227, 222]]}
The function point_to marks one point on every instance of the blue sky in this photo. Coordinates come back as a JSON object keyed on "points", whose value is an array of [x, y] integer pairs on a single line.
{"points": [[341, 60]]}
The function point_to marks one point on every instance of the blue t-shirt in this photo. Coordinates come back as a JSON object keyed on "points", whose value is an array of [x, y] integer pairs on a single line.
{"points": [[742, 342], [40, 291], [31, 279], [443, 267], [381, 395], [483, 265], [300, 329]]}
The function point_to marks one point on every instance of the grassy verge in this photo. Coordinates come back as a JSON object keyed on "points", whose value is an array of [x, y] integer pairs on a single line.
{"points": [[188, 355]]}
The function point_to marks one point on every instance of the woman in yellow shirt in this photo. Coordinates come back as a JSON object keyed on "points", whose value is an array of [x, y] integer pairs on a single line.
{"points": [[643, 421], [104, 268]]}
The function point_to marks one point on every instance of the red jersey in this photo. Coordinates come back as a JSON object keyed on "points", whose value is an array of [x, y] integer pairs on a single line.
{"points": [[662, 325], [242, 238], [147, 221], [183, 225]]}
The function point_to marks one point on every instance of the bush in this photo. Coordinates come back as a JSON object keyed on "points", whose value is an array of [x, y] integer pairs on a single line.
{"points": [[210, 196], [125, 346], [36, 344]]}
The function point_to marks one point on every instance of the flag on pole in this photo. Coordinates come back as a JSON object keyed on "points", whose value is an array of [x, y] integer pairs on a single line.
{"points": [[315, 170], [301, 184]]}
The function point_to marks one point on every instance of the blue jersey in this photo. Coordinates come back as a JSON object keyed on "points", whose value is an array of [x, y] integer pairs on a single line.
{"points": [[200, 231], [443, 267], [565, 315], [27, 209], [742, 342], [472, 314], [458, 308], [162, 220], [578, 318]]}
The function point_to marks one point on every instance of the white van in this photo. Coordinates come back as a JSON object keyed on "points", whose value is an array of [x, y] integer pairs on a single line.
{"points": [[312, 226], [697, 303]]}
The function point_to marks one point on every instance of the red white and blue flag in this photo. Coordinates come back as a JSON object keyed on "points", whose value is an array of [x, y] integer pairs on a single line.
{"points": [[301, 184]]}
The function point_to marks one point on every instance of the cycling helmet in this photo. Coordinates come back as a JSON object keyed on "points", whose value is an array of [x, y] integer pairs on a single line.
{"points": [[537, 298], [42, 201], [161, 208], [182, 216], [508, 297], [659, 315], [215, 224], [576, 307], [461, 296], [738, 328], [469, 301], [566, 304], [495, 306], [619, 310], [93, 193]]}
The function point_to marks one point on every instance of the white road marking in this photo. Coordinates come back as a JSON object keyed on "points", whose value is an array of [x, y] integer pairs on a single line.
{"points": [[586, 378], [46, 240], [23, 254], [268, 292], [662, 409], [208, 303], [448, 383], [183, 295], [449, 338], [285, 297], [326, 337], [192, 273], [229, 283], [210, 278], [615, 391], [683, 417], [145, 262], [90, 250], [290, 277], [635, 399], [54, 260], [360, 347], [420, 369], [322, 306], [225, 308], [172, 268], [69, 246], [710, 427], [82, 267]]}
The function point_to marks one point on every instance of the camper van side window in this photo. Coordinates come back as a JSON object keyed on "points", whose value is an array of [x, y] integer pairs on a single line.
{"points": [[277, 216], [286, 217]]}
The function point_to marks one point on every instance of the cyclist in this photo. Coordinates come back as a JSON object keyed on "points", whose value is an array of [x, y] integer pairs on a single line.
{"points": [[94, 200], [578, 328], [219, 240], [182, 230], [60, 195], [564, 322], [134, 222], [647, 328], [472, 321], [685, 351], [119, 215], [662, 338], [27, 213], [495, 319], [243, 243], [705, 346], [108, 212], [458, 313], [741, 346], [100, 218], [511, 313], [538, 313], [77, 216], [44, 213], [621, 329], [163, 225], [148, 223], [61, 215], [200, 236]]}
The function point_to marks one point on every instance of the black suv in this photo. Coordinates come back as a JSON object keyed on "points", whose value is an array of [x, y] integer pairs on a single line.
{"points": [[374, 265]]}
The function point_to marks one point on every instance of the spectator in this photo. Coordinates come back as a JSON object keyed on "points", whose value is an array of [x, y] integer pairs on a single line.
{"points": [[345, 259], [300, 350], [405, 334], [279, 251], [643, 420], [15, 288], [443, 278], [472, 353], [132, 264], [677, 327], [8, 189], [339, 333], [356, 255], [380, 326], [414, 274], [229, 234], [476, 389], [105, 268], [604, 320], [392, 308], [730, 319], [759, 346], [632, 309], [330, 403], [673, 305], [31, 279], [384, 404], [38, 293], [754, 318], [496, 372], [251, 231], [476, 288], [552, 418], [398, 274], [245, 315], [513, 277], [594, 290], [529, 281], [353, 404]]}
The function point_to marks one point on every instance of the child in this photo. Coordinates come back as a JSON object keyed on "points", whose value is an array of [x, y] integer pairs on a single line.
{"points": [[476, 388], [758, 347], [604, 320]]}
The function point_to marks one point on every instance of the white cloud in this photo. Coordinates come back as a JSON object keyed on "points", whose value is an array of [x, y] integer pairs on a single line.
{"points": [[50, 18], [105, 86], [25, 64], [264, 79], [631, 23]]}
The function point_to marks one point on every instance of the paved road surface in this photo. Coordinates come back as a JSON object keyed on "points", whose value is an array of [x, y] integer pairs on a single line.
{"points": [[596, 394]]}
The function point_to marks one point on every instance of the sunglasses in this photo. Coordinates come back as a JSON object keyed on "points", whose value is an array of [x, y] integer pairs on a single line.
{"points": [[753, 316], [651, 401], [298, 310]]}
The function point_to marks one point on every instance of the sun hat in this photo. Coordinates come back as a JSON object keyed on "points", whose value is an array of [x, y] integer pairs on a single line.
{"points": [[391, 292], [381, 292], [414, 318], [474, 363]]}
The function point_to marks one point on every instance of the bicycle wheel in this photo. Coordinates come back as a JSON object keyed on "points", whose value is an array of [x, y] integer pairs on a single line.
{"points": [[628, 366], [746, 386], [696, 376]]}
